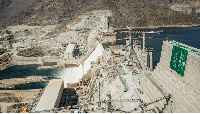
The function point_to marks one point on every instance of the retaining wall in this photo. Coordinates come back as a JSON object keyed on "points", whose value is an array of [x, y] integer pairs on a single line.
{"points": [[19, 60]]}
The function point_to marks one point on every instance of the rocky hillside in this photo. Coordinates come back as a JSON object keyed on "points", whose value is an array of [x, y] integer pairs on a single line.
{"points": [[126, 12], [11, 8], [45, 12], [192, 7], [186, 6], [144, 13]]}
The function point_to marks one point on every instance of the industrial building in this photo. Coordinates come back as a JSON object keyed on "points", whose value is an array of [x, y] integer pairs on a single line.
{"points": [[52, 95], [69, 52]]}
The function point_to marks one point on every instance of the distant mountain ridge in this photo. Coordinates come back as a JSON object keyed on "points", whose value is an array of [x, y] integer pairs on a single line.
{"points": [[126, 12], [4, 4], [144, 13], [11, 8]]}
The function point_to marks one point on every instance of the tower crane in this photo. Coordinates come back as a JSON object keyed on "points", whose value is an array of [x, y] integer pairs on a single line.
{"points": [[143, 33]]}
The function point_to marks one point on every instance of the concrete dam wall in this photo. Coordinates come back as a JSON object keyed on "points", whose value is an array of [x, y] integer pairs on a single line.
{"points": [[73, 74], [177, 75]]}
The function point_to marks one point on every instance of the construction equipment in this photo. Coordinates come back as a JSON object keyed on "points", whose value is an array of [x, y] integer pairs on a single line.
{"points": [[124, 84], [99, 59], [25, 110], [60, 53], [143, 33], [125, 90]]}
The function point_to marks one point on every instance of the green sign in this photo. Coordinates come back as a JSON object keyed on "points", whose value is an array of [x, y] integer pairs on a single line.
{"points": [[178, 59]]}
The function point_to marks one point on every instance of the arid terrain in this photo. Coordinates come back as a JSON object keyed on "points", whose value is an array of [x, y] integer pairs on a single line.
{"points": [[14, 101], [71, 35], [126, 12]]}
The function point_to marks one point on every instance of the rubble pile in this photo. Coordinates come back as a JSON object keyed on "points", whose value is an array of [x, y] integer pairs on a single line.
{"points": [[31, 52]]}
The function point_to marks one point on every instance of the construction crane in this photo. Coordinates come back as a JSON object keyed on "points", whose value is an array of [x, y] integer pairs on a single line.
{"points": [[143, 33], [149, 32]]}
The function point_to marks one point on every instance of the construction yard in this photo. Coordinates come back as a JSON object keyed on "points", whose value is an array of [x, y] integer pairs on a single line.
{"points": [[115, 78], [14, 101], [93, 56], [40, 44], [113, 74]]}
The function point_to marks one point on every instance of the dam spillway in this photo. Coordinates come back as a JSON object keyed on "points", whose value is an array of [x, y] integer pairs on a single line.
{"points": [[73, 74]]}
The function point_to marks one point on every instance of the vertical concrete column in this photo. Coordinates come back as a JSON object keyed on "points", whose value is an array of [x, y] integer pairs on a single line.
{"points": [[143, 42], [108, 102], [144, 59], [129, 40], [151, 61], [127, 43]]}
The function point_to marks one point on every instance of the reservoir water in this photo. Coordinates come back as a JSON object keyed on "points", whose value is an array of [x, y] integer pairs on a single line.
{"points": [[189, 36], [186, 35]]}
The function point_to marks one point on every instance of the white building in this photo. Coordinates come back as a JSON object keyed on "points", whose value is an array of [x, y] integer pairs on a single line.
{"points": [[69, 52]]}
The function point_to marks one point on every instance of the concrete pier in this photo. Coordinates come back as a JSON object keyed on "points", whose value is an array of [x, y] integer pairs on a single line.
{"points": [[144, 57], [52, 95]]}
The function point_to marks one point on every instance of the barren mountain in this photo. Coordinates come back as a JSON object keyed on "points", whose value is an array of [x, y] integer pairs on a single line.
{"points": [[126, 12], [144, 13], [10, 8]]}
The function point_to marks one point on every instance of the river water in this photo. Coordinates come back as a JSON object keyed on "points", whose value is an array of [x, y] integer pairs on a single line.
{"points": [[70, 75], [189, 36]]}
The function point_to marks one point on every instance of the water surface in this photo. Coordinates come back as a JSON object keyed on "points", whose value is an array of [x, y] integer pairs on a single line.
{"points": [[69, 75], [186, 35]]}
